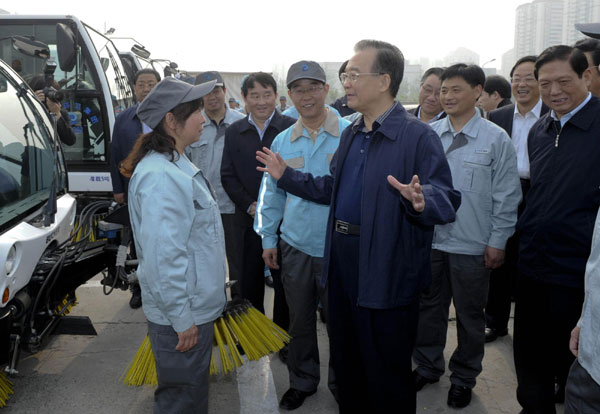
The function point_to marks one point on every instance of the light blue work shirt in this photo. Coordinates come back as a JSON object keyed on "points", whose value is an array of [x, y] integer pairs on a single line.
{"points": [[304, 222], [292, 112], [589, 344], [207, 154], [485, 172], [179, 241]]}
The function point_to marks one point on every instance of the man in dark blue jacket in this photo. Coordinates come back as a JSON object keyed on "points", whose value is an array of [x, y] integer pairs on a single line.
{"points": [[126, 131], [556, 226], [378, 241]]}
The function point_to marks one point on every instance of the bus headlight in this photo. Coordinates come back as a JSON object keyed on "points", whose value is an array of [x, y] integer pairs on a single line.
{"points": [[11, 260]]}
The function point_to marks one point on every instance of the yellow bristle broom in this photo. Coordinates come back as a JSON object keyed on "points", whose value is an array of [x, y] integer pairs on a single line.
{"points": [[6, 389], [240, 325]]}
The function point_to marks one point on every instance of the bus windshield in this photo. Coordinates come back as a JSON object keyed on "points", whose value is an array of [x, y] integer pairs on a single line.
{"points": [[84, 98], [26, 155]]}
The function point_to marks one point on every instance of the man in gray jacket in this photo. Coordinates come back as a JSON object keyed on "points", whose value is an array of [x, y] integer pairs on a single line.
{"points": [[484, 168], [207, 153]]}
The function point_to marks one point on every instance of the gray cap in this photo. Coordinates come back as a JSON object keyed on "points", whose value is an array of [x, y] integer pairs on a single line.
{"points": [[165, 96], [305, 69], [232, 100], [208, 76]]}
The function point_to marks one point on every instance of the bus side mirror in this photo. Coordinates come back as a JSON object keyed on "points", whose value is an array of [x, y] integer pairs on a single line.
{"points": [[66, 47]]}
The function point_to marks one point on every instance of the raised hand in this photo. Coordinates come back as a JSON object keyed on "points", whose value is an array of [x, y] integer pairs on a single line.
{"points": [[412, 191], [274, 164]]}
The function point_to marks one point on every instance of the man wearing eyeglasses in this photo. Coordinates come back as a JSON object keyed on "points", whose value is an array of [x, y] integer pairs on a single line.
{"points": [[379, 232], [516, 120], [307, 146], [430, 108]]}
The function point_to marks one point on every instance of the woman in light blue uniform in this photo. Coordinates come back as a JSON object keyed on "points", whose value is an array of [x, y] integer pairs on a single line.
{"points": [[180, 245]]}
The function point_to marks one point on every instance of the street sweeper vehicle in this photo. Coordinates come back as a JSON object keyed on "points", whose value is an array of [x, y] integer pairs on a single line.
{"points": [[52, 198]]}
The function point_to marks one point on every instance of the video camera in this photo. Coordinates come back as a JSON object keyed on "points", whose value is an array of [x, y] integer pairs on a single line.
{"points": [[49, 91]]}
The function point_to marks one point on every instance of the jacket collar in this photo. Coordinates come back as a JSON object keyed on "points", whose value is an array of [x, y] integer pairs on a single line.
{"points": [[583, 119], [471, 129], [276, 122], [392, 120], [227, 119], [331, 126]]}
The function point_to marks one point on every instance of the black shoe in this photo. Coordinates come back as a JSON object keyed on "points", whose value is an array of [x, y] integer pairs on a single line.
{"points": [[421, 381], [294, 398], [283, 354], [459, 396], [492, 334], [269, 281], [136, 296]]}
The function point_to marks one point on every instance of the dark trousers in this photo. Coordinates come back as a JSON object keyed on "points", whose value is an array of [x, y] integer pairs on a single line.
{"points": [[504, 279], [545, 315], [301, 278], [232, 249], [463, 279], [182, 376], [583, 392], [502, 285], [251, 276], [370, 348]]}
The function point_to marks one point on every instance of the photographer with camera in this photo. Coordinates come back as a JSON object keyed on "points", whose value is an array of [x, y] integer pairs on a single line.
{"points": [[46, 90]]}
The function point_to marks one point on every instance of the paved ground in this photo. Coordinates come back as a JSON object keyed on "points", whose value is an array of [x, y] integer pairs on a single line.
{"points": [[80, 374]]}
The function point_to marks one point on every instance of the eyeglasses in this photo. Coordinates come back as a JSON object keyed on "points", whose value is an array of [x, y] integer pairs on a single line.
{"points": [[311, 90], [428, 90], [353, 76], [528, 80]]}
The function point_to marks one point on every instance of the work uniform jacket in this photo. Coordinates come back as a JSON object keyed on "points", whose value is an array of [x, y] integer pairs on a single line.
{"points": [[179, 242]]}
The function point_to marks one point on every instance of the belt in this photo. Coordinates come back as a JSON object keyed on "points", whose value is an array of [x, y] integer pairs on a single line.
{"points": [[347, 228]]}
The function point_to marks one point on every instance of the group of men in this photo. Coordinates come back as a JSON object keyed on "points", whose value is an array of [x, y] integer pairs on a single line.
{"points": [[387, 219]]}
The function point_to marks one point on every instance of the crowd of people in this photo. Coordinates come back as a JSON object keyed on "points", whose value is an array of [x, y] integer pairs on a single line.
{"points": [[379, 215]]}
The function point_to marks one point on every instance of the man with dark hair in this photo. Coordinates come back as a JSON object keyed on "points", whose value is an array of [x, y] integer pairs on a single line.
{"points": [[241, 181], [495, 94], [126, 131], [207, 154], [283, 105], [430, 108], [341, 104], [516, 120], [308, 146], [555, 229], [379, 232], [591, 49], [484, 168]]}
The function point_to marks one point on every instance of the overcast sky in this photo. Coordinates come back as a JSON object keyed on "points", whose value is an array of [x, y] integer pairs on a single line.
{"points": [[249, 35]]}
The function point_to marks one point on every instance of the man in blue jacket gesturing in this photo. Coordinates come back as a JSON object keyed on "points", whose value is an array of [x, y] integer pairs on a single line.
{"points": [[379, 231]]}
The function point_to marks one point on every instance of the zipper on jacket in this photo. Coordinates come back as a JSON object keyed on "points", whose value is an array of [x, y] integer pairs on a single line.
{"points": [[558, 132]]}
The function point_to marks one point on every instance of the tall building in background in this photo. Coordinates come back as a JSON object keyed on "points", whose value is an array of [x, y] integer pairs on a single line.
{"points": [[508, 60], [538, 25], [578, 11]]}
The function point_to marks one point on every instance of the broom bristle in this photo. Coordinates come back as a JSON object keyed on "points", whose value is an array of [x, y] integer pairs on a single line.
{"points": [[240, 324], [6, 389], [142, 370]]}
